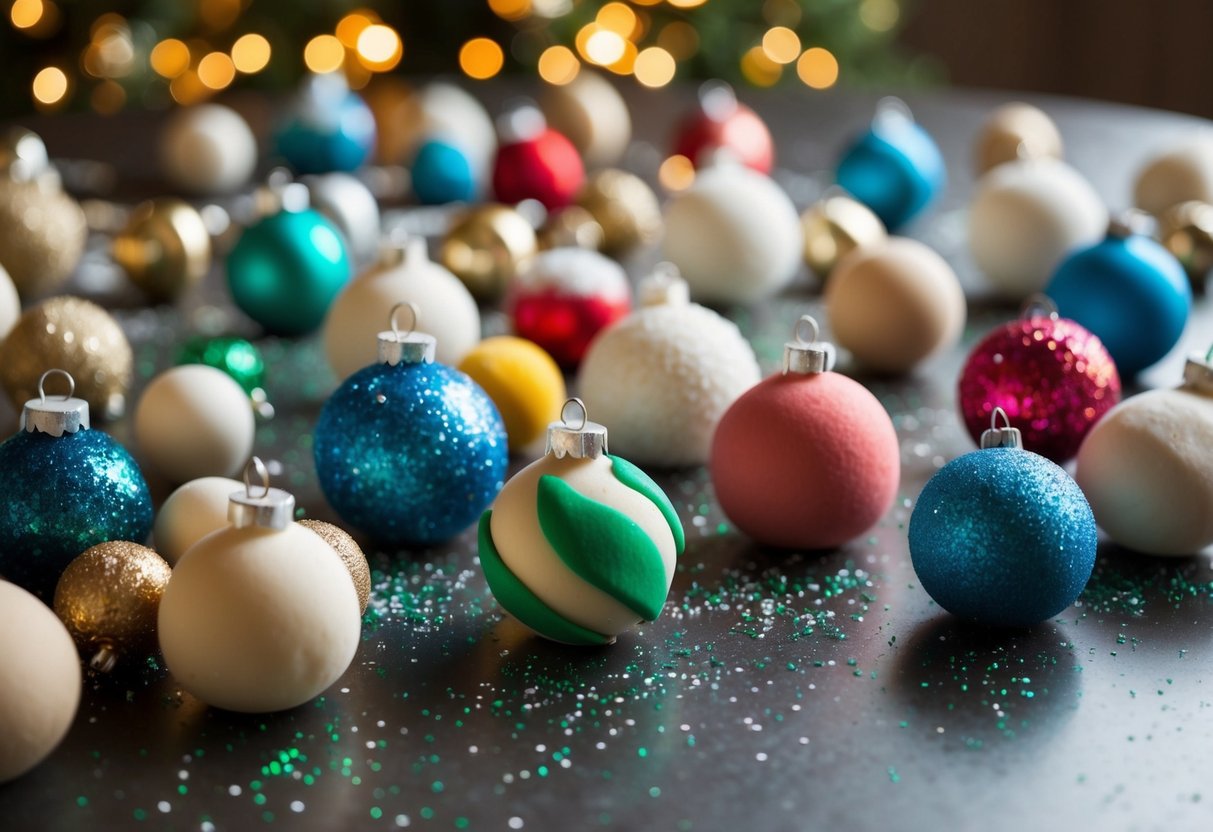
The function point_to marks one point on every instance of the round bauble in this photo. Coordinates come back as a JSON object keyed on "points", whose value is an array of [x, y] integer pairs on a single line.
{"points": [[327, 128], [1015, 132], [570, 226], [42, 234], [536, 162], [486, 247], [351, 555], [722, 123], [190, 513], [1025, 217], [439, 109], [833, 227], [207, 149], [893, 305], [165, 248], [10, 304], [41, 684], [349, 205], [1181, 174], [237, 357], [625, 207], [1186, 230], [522, 380], [442, 173], [592, 113], [734, 235]]}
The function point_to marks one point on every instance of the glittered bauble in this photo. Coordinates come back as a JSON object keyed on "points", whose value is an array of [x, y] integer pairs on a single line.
{"points": [[65, 487], [834, 226], [734, 235], [486, 247], [625, 207], [722, 123], [165, 248], [286, 269], [351, 555], [536, 162], [663, 376], [895, 168], [192, 512], [592, 113], [328, 127], [1015, 132], [260, 616], [349, 205], [42, 233], [522, 380], [407, 450], [1026, 217], [1147, 467], [1181, 174], [808, 458], [566, 297], [77, 336], [1052, 378], [10, 304], [40, 686], [1130, 292], [207, 149], [109, 597], [237, 357], [895, 304], [570, 226], [442, 173], [404, 274], [1186, 230], [406, 119], [1002, 535], [580, 546]]}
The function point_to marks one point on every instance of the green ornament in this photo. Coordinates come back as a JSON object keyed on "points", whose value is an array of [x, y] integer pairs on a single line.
{"points": [[235, 356]]}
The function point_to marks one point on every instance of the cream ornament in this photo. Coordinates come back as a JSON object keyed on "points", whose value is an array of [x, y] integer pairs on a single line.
{"points": [[592, 114], [1180, 174], [1013, 132], [208, 149], [10, 304], [190, 513]]}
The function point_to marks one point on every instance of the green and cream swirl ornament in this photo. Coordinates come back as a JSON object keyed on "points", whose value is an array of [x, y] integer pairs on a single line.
{"points": [[580, 545]]}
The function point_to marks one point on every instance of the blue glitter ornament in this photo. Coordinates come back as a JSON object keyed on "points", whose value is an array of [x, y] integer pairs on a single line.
{"points": [[1128, 290], [63, 489], [330, 128], [442, 173], [409, 451], [895, 168], [1002, 535]]}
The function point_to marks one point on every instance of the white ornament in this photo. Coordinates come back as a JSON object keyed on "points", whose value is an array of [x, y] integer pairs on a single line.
{"points": [[191, 513], [592, 114], [352, 207], [10, 304], [578, 272], [446, 111], [208, 149], [1182, 174]]}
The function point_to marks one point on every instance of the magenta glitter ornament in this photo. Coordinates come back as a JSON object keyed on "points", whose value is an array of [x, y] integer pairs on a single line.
{"points": [[1051, 375]]}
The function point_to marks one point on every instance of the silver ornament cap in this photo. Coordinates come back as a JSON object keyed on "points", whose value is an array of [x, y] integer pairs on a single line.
{"points": [[55, 415], [264, 507], [664, 287], [805, 355], [1001, 437], [1198, 372], [408, 346], [574, 435], [1130, 222]]}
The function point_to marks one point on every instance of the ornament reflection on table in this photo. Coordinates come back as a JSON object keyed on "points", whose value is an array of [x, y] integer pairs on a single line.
{"points": [[523, 381]]}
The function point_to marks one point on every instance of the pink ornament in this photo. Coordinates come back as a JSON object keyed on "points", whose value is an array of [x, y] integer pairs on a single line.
{"points": [[1052, 376], [721, 122], [536, 162]]}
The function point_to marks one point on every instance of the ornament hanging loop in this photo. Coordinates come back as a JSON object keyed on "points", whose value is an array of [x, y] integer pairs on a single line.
{"points": [[413, 315], [273, 508], [71, 383], [1039, 305], [805, 355], [1001, 437], [583, 416], [574, 435], [408, 346], [890, 111], [263, 474], [55, 415], [664, 287]]}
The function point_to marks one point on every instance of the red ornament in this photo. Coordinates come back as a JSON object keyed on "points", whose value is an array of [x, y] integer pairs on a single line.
{"points": [[721, 122], [1051, 375], [544, 166]]}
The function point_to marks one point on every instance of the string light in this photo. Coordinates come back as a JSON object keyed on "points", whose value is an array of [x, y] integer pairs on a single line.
{"points": [[216, 70], [510, 9], [353, 25], [604, 47], [676, 173], [818, 68], [379, 47], [879, 15], [481, 58], [186, 89], [654, 67], [251, 53], [781, 45], [50, 86], [558, 65], [758, 69], [170, 58], [679, 39], [25, 14], [108, 97], [324, 53], [627, 61], [618, 18], [686, 4]]}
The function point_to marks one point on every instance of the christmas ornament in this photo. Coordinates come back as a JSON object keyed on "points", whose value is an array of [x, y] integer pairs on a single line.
{"points": [[833, 227], [41, 684], [260, 616], [565, 297], [407, 119], [207, 149], [592, 113], [580, 545], [1130, 292], [351, 556], [522, 380], [721, 122], [625, 207], [190, 513], [442, 173], [194, 421], [42, 233], [404, 273], [65, 488], [570, 226], [285, 270], [1147, 466], [165, 248], [535, 162], [108, 597], [78, 336], [1052, 378], [1002, 535], [10, 304], [328, 128], [808, 458], [1026, 217], [1015, 132], [349, 205], [237, 357], [664, 375], [22, 154], [407, 450], [895, 168], [895, 304], [486, 247], [1180, 174], [1185, 230], [734, 235]]}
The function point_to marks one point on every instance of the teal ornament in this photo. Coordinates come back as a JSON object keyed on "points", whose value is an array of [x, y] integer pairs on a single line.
{"points": [[286, 269], [442, 173], [237, 357], [329, 128]]}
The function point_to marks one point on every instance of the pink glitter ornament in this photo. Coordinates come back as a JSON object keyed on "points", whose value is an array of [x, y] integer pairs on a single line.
{"points": [[1052, 376]]}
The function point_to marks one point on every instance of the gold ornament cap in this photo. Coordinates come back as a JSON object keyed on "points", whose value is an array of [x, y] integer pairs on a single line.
{"points": [[270, 508], [1001, 437], [664, 287], [409, 346], [1198, 372], [55, 416], [576, 436], [805, 355]]}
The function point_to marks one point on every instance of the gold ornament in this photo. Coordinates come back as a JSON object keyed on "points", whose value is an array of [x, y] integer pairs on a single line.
{"points": [[42, 233], [74, 335], [626, 208], [109, 598], [571, 227], [351, 555], [165, 248], [1186, 230], [1016, 131], [834, 226], [487, 247]]}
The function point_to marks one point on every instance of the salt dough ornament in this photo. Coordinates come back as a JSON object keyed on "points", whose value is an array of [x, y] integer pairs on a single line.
{"points": [[1016, 131]]}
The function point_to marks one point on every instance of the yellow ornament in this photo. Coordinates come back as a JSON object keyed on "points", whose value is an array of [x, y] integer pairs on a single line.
{"points": [[834, 226], [42, 233], [75, 335], [1186, 230], [351, 555], [522, 380], [487, 247], [165, 248], [571, 226], [626, 208], [109, 598], [1013, 132]]}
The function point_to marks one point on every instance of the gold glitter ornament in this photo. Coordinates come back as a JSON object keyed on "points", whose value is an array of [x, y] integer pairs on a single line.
{"points": [[834, 226], [42, 233], [625, 206], [351, 555], [164, 248], [109, 598], [571, 226], [486, 247], [75, 335], [1186, 230]]}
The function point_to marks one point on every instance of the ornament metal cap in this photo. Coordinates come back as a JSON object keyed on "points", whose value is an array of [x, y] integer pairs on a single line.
{"points": [[1001, 437], [891, 111], [580, 439], [664, 287], [806, 355], [409, 346], [522, 121], [401, 249], [272, 508], [1130, 222], [1198, 372], [55, 416], [717, 100], [1039, 306]]}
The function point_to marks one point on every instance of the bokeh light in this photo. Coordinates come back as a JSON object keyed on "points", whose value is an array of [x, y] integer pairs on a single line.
{"points": [[251, 53], [781, 45], [679, 39], [654, 67], [25, 14], [558, 65], [50, 86], [605, 47], [879, 15], [379, 47], [481, 58], [324, 53], [617, 18], [759, 69], [353, 25], [216, 70], [818, 68], [510, 9], [676, 173], [170, 58]]}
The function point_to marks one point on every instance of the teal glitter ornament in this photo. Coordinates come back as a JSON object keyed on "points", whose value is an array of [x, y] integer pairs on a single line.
{"points": [[63, 489], [1002, 535], [237, 357]]}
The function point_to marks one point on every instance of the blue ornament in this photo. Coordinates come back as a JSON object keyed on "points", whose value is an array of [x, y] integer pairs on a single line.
{"points": [[442, 173], [330, 128], [895, 168], [1002, 535], [409, 451], [63, 489], [1128, 290], [286, 269]]}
